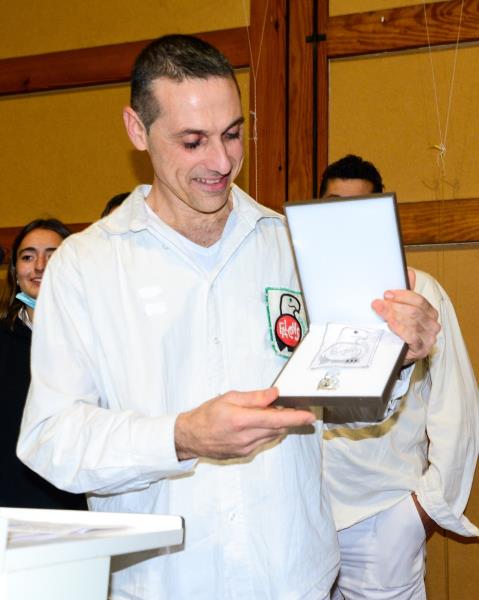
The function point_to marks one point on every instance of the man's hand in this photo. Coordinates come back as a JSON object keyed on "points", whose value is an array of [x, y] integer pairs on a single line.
{"points": [[234, 425], [411, 317]]}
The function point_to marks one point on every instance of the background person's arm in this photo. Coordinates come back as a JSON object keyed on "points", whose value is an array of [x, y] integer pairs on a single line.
{"points": [[452, 423]]}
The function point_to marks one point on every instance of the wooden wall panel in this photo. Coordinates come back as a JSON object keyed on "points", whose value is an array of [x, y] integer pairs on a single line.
{"points": [[307, 98], [268, 70], [300, 130], [436, 568], [402, 28], [454, 221], [322, 106], [99, 65], [449, 221], [463, 576]]}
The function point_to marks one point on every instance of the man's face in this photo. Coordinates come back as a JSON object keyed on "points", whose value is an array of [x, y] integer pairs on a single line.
{"points": [[344, 188], [196, 143]]}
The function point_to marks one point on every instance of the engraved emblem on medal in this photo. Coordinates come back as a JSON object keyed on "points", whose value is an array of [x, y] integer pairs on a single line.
{"points": [[330, 381], [351, 347]]}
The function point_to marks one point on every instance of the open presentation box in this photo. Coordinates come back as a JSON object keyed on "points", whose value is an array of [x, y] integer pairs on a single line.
{"points": [[348, 252]]}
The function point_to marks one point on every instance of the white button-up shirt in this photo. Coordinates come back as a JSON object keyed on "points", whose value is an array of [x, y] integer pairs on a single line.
{"points": [[129, 332], [429, 446]]}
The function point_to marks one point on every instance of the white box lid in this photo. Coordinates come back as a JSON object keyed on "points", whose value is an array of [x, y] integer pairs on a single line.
{"points": [[348, 252]]}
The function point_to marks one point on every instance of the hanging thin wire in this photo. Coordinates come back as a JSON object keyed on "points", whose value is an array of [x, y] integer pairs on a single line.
{"points": [[442, 146], [254, 68]]}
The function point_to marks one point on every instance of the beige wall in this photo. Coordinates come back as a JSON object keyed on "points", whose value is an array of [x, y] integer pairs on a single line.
{"points": [[53, 25], [343, 7], [393, 102], [384, 109], [65, 154]]}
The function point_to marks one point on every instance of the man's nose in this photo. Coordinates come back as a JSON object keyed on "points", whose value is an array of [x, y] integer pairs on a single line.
{"points": [[218, 159]]}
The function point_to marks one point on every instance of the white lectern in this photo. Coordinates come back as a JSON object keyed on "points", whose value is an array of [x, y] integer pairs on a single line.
{"points": [[60, 554]]}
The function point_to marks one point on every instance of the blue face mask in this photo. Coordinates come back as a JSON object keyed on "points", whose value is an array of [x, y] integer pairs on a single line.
{"points": [[26, 299]]}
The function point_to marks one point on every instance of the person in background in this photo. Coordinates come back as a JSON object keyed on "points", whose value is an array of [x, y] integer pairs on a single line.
{"points": [[392, 484], [161, 313], [113, 203], [350, 176], [31, 250]]}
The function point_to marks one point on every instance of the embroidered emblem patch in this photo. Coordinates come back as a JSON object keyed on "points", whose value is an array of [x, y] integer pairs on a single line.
{"points": [[286, 318]]}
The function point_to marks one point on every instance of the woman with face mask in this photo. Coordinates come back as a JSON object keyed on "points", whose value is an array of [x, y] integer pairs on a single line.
{"points": [[31, 250]]}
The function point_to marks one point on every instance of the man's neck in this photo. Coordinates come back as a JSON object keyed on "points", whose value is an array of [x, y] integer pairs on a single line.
{"points": [[201, 228]]}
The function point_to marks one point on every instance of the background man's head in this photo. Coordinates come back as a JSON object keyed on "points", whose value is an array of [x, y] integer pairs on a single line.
{"points": [[175, 57], [350, 176], [113, 203]]}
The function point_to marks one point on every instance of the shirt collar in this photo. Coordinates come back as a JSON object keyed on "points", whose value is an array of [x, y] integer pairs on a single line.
{"points": [[132, 215], [250, 210]]}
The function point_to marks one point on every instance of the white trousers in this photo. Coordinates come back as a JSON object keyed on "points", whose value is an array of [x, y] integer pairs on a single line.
{"points": [[383, 557]]}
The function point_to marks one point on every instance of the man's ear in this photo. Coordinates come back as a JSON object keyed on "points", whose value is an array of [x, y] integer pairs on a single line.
{"points": [[135, 128]]}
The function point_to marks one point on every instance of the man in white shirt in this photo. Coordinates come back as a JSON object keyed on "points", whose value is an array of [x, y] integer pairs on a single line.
{"points": [[393, 483], [149, 317]]}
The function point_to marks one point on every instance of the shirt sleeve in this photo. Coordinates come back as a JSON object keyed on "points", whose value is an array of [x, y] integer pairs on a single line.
{"points": [[400, 388], [66, 435], [451, 426]]}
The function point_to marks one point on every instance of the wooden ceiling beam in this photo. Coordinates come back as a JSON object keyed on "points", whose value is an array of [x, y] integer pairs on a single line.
{"points": [[402, 28], [99, 65], [428, 222], [347, 35], [440, 222]]}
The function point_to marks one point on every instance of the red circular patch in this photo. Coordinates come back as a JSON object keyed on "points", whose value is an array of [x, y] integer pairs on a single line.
{"points": [[288, 330]]}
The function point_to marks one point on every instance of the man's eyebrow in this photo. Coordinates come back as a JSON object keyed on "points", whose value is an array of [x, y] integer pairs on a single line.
{"points": [[188, 131], [238, 121]]}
